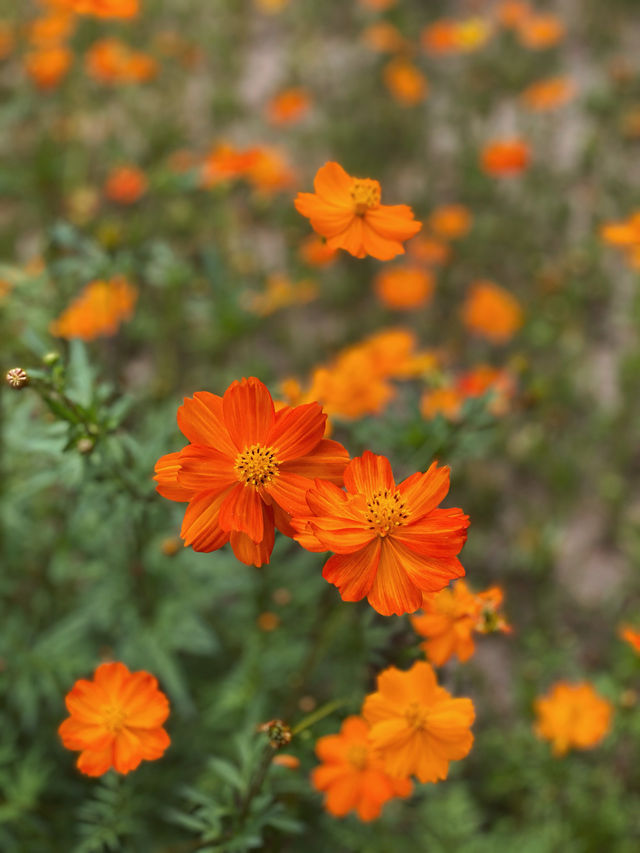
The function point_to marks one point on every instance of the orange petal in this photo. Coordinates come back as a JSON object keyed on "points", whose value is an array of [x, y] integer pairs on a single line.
{"points": [[167, 469], [248, 412], [289, 491], [127, 752], [77, 735], [200, 527], [355, 573], [254, 553], [153, 743], [243, 512], [368, 473], [296, 431], [393, 221], [95, 762], [200, 420], [326, 462], [423, 492], [393, 590], [203, 469], [333, 184], [326, 219]]}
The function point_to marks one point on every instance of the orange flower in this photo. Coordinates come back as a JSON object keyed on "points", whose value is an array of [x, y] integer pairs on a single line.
{"points": [[511, 13], [48, 66], [429, 251], [631, 636], [378, 5], [246, 469], [107, 8], [538, 32], [51, 29], [383, 37], [289, 106], [504, 158], [281, 292], [625, 234], [417, 728], [450, 221], [407, 84], [225, 162], [113, 62], [347, 211], [271, 7], [450, 617], [352, 775], [283, 759], [449, 36], [483, 378], [391, 542], [572, 716], [98, 311], [441, 401], [491, 312], [404, 287], [116, 720], [125, 185], [315, 252], [549, 94], [269, 170]]}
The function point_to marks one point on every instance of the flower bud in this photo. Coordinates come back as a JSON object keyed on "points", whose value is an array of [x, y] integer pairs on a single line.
{"points": [[17, 378]]}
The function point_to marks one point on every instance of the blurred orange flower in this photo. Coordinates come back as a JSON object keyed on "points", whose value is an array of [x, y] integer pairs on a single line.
{"points": [[246, 469], [269, 170], [98, 311], [445, 401], [406, 82], [427, 250], [572, 716], [549, 94], [289, 106], [626, 236], [111, 61], [450, 36], [491, 312], [107, 8], [347, 211], [51, 29], [538, 32], [315, 252], [116, 720], [48, 66], [417, 727], [391, 542], [352, 775], [283, 759], [383, 37], [404, 287], [271, 7], [631, 636], [483, 378], [225, 161], [450, 221], [511, 13], [281, 292], [505, 157], [125, 184]]}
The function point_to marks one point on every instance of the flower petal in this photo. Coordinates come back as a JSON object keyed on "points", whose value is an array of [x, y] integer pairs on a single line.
{"points": [[368, 473], [201, 421], [296, 431], [248, 412], [355, 573], [200, 527]]}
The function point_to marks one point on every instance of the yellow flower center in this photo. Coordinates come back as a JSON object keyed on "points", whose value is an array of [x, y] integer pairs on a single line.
{"points": [[114, 718], [358, 755], [416, 716], [257, 465], [365, 193], [385, 510]]}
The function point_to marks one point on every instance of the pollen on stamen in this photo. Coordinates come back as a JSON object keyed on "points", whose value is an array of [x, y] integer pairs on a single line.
{"points": [[365, 193], [256, 465], [385, 511]]}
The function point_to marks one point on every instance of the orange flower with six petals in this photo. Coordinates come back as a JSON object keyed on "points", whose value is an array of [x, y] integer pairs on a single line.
{"points": [[247, 468], [391, 542], [116, 720], [347, 211]]}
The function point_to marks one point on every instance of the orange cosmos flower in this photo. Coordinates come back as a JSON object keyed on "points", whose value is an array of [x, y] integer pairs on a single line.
{"points": [[281, 292], [383, 37], [246, 469], [116, 720], [407, 84], [441, 401], [352, 775], [491, 312], [51, 29], [315, 252], [483, 378], [113, 62], [125, 185], [626, 236], [98, 311], [429, 251], [289, 106], [538, 32], [391, 542], [572, 716], [417, 728], [549, 94], [511, 13], [504, 158], [107, 8], [48, 66], [404, 288], [269, 170], [450, 36], [347, 211], [631, 636], [450, 221], [225, 162]]}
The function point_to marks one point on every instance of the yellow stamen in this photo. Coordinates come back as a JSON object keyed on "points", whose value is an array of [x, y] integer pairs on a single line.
{"points": [[114, 718], [257, 465], [365, 193], [358, 755], [416, 716], [385, 511]]}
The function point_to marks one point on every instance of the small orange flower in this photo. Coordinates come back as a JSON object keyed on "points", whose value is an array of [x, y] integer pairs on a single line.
{"points": [[539, 32], [441, 401], [483, 378], [504, 158], [225, 161], [48, 66], [492, 312], [391, 542], [625, 235], [315, 252], [113, 62], [107, 8], [404, 288], [283, 759], [246, 469], [98, 311], [429, 251], [289, 106], [450, 221], [549, 94], [352, 775], [281, 292], [417, 727], [125, 185], [51, 29], [449, 36], [347, 211], [511, 13], [383, 37], [572, 716], [270, 170], [116, 720], [406, 82], [631, 636]]}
